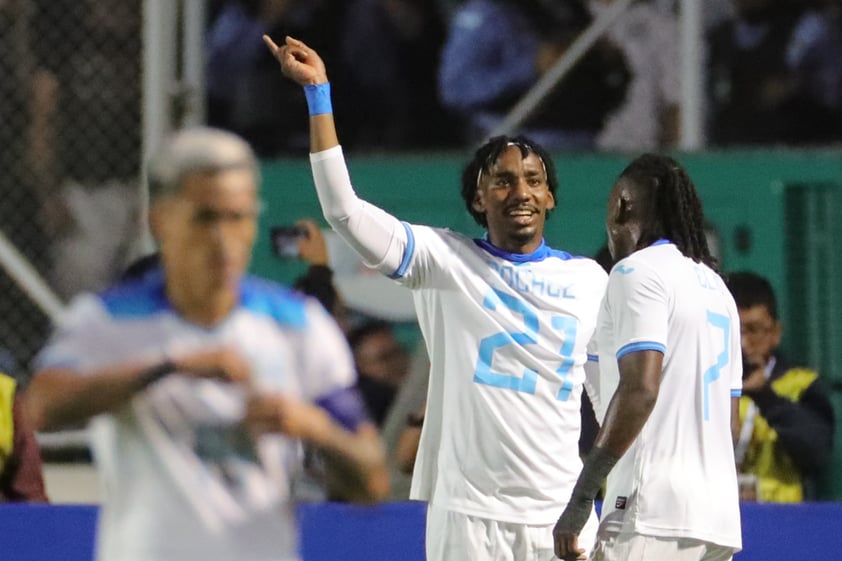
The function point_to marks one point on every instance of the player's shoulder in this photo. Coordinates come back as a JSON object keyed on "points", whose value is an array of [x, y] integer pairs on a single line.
{"points": [[445, 234], [659, 257], [436, 239], [581, 263], [143, 296], [288, 307]]}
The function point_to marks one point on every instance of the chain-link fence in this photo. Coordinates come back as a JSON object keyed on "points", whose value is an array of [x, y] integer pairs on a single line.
{"points": [[70, 139]]}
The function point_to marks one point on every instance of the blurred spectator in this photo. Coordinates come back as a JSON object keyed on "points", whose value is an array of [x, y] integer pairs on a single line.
{"points": [[21, 470], [88, 124], [648, 119], [201, 383], [25, 111], [318, 280], [786, 418], [409, 439], [395, 101], [245, 92], [497, 49], [382, 364], [402, 427], [98, 77], [713, 11], [775, 75]]}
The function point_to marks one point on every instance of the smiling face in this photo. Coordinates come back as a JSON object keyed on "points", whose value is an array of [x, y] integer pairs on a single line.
{"points": [[514, 196]]}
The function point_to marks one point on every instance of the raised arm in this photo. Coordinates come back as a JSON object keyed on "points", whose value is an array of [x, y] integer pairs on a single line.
{"points": [[304, 66], [379, 238]]}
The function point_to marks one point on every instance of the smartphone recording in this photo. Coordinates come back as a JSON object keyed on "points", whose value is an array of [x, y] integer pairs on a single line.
{"points": [[285, 240]]}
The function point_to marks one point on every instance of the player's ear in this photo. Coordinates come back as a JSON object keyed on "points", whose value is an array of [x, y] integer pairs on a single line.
{"points": [[624, 208], [478, 204], [551, 200]]}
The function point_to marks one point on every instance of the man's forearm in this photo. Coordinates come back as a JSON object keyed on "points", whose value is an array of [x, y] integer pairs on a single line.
{"points": [[57, 398], [322, 133], [804, 427], [627, 413], [356, 468]]}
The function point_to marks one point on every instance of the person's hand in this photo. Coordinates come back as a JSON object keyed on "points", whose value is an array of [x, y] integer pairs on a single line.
{"points": [[312, 247], [299, 63], [754, 373], [566, 534], [287, 415], [217, 364]]}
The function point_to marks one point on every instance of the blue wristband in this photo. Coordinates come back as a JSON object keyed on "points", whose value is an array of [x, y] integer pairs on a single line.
{"points": [[318, 98]]}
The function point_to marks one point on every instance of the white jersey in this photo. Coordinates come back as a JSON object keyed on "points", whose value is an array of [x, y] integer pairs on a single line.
{"points": [[678, 478], [508, 339], [183, 480]]}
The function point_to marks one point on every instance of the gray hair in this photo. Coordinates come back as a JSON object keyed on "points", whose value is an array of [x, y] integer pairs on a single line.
{"points": [[197, 150]]}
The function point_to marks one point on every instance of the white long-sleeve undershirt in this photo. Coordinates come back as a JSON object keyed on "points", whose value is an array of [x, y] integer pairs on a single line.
{"points": [[378, 237]]}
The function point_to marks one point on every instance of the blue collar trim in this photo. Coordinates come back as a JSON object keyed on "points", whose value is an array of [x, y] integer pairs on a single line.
{"points": [[543, 252]]}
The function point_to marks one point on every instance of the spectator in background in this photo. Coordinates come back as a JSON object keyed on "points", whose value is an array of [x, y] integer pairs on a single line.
{"points": [[775, 75], [21, 470], [713, 11], [406, 449], [395, 98], [202, 383], [88, 140], [26, 109], [495, 52], [648, 118], [382, 364], [787, 420], [317, 281]]}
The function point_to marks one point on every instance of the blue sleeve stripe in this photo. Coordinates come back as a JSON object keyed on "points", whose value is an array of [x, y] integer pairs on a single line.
{"points": [[593, 358], [345, 406], [736, 393], [640, 346], [407, 254]]}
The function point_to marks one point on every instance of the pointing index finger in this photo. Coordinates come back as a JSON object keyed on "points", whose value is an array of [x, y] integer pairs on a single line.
{"points": [[271, 44]]}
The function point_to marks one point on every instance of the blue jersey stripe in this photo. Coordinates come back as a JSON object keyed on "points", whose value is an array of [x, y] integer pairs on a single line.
{"points": [[282, 304], [147, 296], [640, 346], [137, 298], [407, 253], [543, 252]]}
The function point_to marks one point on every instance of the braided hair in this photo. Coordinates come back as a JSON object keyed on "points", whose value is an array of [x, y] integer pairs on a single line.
{"points": [[486, 156], [676, 209]]}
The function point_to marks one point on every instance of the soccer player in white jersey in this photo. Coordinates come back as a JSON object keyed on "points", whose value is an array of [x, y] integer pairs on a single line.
{"points": [[202, 383], [507, 321], [669, 352]]}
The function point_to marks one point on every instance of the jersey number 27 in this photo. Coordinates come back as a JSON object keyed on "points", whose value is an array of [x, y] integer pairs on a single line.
{"points": [[483, 374]]}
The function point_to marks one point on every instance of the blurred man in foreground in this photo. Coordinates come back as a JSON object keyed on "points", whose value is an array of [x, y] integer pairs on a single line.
{"points": [[202, 382]]}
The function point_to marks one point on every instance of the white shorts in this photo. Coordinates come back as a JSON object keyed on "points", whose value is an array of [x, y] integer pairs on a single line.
{"points": [[453, 536], [637, 547]]}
